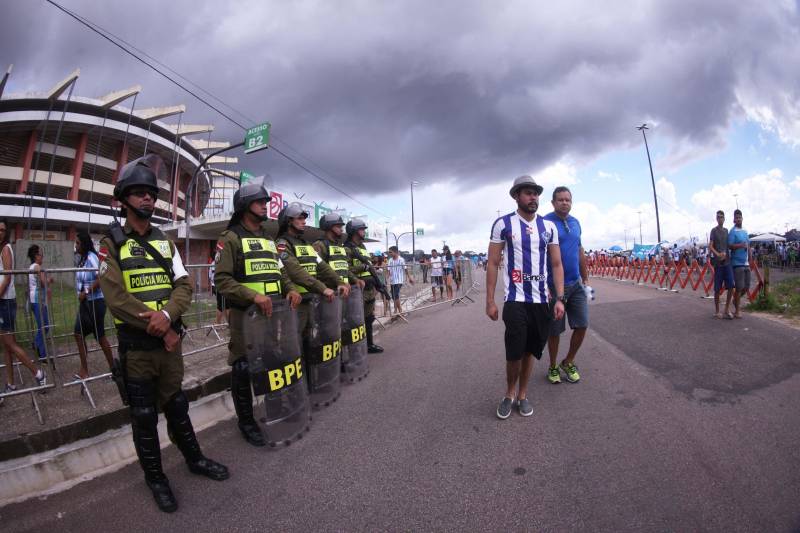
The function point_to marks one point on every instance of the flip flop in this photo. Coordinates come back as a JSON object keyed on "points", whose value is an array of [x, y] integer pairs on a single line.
{"points": [[728, 316]]}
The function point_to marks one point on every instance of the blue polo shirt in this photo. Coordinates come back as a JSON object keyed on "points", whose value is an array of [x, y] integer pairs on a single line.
{"points": [[569, 240], [738, 236]]}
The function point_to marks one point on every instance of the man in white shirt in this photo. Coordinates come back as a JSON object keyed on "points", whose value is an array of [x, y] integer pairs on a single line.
{"points": [[528, 242], [437, 273], [397, 274]]}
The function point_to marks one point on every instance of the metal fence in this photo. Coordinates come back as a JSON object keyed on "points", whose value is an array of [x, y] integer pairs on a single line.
{"points": [[56, 323], [58, 351]]}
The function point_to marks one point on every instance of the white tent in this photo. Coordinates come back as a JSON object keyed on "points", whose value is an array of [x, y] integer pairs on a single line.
{"points": [[767, 237]]}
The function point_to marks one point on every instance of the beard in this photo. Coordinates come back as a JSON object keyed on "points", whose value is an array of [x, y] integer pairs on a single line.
{"points": [[529, 207]]}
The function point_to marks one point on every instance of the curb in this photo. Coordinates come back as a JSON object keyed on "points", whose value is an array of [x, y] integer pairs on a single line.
{"points": [[56, 470]]}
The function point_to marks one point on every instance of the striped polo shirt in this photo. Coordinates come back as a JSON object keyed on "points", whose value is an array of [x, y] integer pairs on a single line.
{"points": [[525, 255]]}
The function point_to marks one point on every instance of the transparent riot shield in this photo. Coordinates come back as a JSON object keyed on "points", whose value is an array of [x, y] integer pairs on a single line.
{"points": [[354, 337], [323, 350], [276, 372]]}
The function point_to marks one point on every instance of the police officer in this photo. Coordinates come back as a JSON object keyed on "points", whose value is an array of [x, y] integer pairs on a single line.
{"points": [[361, 266], [248, 271], [313, 275], [331, 248], [147, 290]]}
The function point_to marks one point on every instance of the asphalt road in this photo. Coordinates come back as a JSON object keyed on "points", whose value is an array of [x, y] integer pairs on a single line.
{"points": [[680, 423]]}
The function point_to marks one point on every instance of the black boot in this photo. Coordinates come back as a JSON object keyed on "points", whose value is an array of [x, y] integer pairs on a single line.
{"points": [[243, 403], [180, 426], [144, 423], [371, 346]]}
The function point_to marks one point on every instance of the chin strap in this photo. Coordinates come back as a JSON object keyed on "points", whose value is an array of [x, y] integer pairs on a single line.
{"points": [[146, 215]]}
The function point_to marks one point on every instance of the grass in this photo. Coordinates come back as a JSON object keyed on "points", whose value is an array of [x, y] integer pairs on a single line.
{"points": [[784, 298]]}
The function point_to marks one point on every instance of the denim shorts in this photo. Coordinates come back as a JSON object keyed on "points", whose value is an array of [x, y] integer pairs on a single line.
{"points": [[8, 315], [723, 274], [576, 309], [396, 290]]}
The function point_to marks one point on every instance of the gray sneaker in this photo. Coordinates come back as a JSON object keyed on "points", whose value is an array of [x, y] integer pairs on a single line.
{"points": [[524, 407], [505, 407]]}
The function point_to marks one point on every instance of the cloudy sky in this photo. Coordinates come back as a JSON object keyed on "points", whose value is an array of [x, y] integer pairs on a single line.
{"points": [[465, 96]]}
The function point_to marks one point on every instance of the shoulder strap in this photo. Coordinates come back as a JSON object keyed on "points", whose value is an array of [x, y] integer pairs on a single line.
{"points": [[157, 257]]}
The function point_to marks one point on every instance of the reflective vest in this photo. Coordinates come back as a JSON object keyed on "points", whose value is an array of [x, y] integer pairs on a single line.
{"points": [[142, 276], [307, 257], [258, 269], [356, 262], [337, 259]]}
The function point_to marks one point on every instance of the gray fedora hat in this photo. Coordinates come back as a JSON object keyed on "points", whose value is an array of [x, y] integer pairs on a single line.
{"points": [[525, 181]]}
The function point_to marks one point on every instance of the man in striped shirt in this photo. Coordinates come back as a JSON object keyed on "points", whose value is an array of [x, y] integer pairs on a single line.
{"points": [[528, 242], [397, 272]]}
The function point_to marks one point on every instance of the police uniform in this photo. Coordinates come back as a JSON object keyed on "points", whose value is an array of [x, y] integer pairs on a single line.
{"points": [[362, 270], [247, 265], [308, 271], [336, 255]]}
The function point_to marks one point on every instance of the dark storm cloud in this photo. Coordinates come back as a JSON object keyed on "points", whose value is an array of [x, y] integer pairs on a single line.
{"points": [[378, 94]]}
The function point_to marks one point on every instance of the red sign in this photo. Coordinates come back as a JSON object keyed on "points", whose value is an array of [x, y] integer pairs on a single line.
{"points": [[275, 204]]}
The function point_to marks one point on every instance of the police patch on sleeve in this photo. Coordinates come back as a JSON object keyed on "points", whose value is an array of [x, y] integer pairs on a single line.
{"points": [[284, 254]]}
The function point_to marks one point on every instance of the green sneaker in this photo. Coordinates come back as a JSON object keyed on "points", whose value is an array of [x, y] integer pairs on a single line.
{"points": [[553, 375], [570, 371]]}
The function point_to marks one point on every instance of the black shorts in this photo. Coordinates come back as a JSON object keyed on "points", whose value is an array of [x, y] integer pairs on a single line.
{"points": [[527, 328], [91, 318], [221, 304]]}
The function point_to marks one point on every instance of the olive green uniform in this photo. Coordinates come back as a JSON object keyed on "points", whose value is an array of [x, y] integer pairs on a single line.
{"points": [[129, 277], [337, 256], [237, 294], [308, 271], [361, 270]]}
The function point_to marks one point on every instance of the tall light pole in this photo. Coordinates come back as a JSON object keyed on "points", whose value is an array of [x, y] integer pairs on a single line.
{"points": [[640, 228], [413, 229], [736, 197], [642, 128]]}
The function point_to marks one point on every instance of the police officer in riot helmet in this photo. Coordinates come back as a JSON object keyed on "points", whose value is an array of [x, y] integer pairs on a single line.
{"points": [[314, 274], [147, 289], [361, 267], [331, 248], [246, 239]]}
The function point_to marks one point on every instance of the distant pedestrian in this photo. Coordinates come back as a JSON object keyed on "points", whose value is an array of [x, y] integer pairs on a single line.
{"points": [[576, 279], [449, 270], [8, 316], [39, 293], [397, 274], [720, 260], [91, 317], [739, 244], [528, 242], [424, 266], [458, 262], [437, 274]]}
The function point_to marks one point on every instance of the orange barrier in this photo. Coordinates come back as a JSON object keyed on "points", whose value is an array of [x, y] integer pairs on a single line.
{"points": [[666, 275]]}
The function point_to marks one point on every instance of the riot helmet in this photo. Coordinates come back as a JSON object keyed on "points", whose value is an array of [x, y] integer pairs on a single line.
{"points": [[142, 172], [247, 194], [354, 225], [329, 220], [293, 210]]}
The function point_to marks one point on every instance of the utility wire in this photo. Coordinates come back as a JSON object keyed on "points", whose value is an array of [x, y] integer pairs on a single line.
{"points": [[107, 35]]}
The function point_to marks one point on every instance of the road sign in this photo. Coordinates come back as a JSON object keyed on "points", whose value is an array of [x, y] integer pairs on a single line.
{"points": [[257, 138], [420, 231], [244, 177]]}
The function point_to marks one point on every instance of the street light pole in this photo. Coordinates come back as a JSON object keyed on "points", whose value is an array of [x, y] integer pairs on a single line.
{"points": [[413, 229], [640, 228], [736, 197], [642, 128]]}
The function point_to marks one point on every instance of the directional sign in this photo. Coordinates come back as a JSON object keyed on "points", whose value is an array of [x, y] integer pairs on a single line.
{"points": [[257, 138], [245, 176], [420, 231]]}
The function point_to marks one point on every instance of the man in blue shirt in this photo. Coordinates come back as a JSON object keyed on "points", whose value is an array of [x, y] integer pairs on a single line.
{"points": [[576, 277], [739, 245]]}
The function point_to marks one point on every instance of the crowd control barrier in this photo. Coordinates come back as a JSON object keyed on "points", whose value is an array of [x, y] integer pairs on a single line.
{"points": [[669, 276]]}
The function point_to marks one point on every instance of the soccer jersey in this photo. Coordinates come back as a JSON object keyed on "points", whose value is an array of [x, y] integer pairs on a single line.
{"points": [[525, 251]]}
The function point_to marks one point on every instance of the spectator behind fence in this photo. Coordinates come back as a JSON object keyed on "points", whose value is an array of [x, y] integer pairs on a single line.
{"points": [[222, 307], [397, 275], [457, 268], [91, 303], [8, 317], [448, 271], [39, 293], [437, 274], [739, 244], [720, 260]]}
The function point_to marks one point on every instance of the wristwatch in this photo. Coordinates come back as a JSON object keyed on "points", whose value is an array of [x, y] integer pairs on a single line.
{"points": [[562, 299]]}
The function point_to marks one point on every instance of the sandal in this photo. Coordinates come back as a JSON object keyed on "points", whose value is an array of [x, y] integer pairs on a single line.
{"points": [[717, 315], [728, 316]]}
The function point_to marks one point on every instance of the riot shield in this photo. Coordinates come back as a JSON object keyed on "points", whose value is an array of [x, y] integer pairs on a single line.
{"points": [[276, 372], [323, 350], [354, 337]]}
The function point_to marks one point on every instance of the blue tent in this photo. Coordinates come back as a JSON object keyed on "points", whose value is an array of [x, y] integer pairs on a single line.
{"points": [[615, 248]]}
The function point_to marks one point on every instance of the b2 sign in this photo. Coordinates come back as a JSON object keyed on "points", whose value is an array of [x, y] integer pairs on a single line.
{"points": [[257, 138]]}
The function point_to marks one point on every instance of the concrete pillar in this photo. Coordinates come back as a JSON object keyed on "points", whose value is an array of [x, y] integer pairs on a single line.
{"points": [[27, 161], [17, 231], [77, 166]]}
